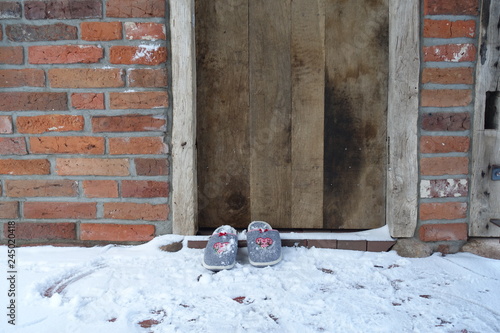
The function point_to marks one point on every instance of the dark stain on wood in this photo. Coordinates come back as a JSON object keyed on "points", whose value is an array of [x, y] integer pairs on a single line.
{"points": [[341, 154]]}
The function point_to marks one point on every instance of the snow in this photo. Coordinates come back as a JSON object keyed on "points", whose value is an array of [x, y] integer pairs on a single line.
{"points": [[463, 52], [379, 234], [145, 51], [143, 289]]}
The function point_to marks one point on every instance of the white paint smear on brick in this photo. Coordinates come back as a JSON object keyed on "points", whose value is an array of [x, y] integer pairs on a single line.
{"points": [[425, 188], [460, 54], [146, 51]]}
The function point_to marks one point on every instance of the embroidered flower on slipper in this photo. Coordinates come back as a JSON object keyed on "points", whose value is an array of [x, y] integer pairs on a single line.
{"points": [[264, 242], [221, 247]]}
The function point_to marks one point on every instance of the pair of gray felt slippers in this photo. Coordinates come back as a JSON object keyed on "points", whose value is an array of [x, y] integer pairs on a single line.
{"points": [[263, 242]]}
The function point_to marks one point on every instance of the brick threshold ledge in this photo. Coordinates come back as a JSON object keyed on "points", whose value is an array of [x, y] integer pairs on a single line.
{"points": [[357, 241]]}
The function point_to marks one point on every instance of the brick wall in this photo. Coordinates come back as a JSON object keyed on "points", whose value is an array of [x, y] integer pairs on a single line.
{"points": [[449, 51], [84, 120]]}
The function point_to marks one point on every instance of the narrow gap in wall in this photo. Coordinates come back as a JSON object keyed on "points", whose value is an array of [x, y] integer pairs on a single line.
{"points": [[491, 110]]}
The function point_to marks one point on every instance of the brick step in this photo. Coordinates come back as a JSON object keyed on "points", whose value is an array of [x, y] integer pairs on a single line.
{"points": [[199, 242]]}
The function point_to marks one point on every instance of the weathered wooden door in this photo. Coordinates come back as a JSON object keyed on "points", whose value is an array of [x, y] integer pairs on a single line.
{"points": [[291, 112]]}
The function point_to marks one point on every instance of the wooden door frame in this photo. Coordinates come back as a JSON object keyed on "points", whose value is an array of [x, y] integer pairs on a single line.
{"points": [[486, 80], [402, 138]]}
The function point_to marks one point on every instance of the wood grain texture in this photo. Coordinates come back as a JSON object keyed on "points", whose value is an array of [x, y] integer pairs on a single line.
{"points": [[222, 112], [402, 125], [307, 137], [311, 72], [485, 193], [355, 113], [184, 197], [270, 111]]}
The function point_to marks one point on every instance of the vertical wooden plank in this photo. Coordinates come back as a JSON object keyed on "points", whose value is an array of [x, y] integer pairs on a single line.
{"points": [[270, 111], [404, 67], [184, 198], [355, 113], [308, 86], [485, 193], [222, 112]]}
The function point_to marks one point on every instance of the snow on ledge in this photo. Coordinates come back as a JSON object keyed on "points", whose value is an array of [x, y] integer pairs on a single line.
{"points": [[379, 234]]}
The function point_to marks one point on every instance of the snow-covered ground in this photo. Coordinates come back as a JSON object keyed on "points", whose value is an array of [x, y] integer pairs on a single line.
{"points": [[143, 289]]}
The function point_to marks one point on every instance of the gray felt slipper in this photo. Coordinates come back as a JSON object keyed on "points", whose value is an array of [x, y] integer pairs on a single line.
{"points": [[220, 252], [264, 244]]}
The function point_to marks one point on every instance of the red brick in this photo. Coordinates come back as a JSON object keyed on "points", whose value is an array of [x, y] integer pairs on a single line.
{"points": [[137, 145], [147, 78], [355, 245], [5, 124], [62, 9], [135, 8], [138, 55], [443, 232], [41, 188], [86, 78], [460, 75], [12, 146], [444, 144], [9, 209], [135, 211], [144, 31], [60, 210], [151, 166], [92, 167], [138, 100], [11, 55], [49, 123], [29, 77], [47, 32], [449, 29], [117, 232], [451, 7], [45, 231], [66, 145], [89, 101], [446, 121], [24, 167], [64, 54], [443, 210], [450, 52], [130, 123], [438, 166], [101, 31], [144, 189], [10, 10], [446, 97], [36, 101], [100, 188], [444, 188]]}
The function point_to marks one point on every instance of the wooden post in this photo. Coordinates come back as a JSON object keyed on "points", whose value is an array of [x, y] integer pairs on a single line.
{"points": [[184, 198], [404, 66], [485, 193]]}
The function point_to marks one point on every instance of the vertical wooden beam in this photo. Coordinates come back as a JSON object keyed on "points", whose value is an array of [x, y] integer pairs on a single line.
{"points": [[184, 198], [308, 86], [485, 193], [356, 84], [222, 112], [402, 125], [270, 111]]}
